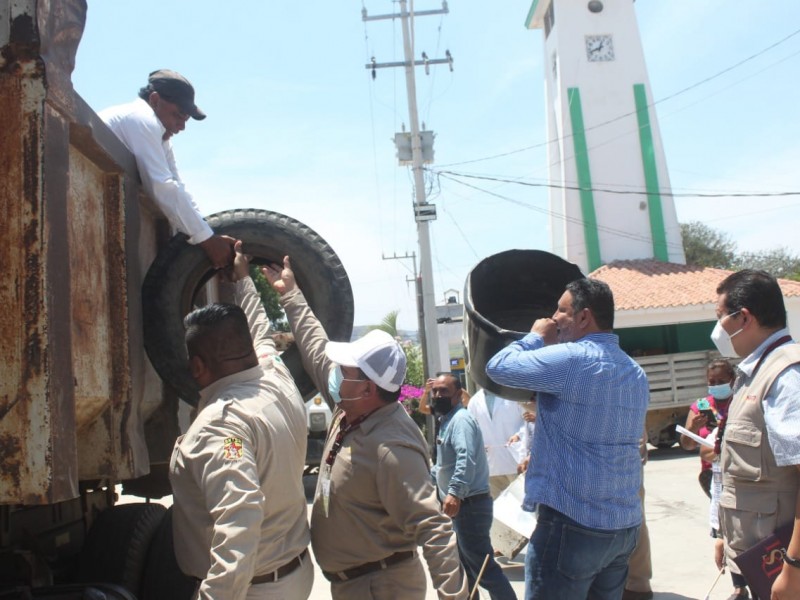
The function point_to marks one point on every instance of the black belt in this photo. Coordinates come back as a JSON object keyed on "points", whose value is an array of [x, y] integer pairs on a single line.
{"points": [[469, 499], [281, 571], [369, 567]]}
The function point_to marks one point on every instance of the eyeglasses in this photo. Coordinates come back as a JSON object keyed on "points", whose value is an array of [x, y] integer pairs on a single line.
{"points": [[720, 317]]}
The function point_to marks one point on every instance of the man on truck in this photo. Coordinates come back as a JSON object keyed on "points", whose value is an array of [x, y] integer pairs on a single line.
{"points": [[240, 524], [145, 126]]}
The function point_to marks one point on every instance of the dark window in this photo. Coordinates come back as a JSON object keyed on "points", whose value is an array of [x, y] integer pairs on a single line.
{"points": [[549, 19]]}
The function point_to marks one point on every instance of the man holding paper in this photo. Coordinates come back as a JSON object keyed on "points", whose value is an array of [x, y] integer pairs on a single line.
{"points": [[760, 450]]}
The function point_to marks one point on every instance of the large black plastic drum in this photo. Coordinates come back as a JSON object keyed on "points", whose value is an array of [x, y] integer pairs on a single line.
{"points": [[504, 294]]}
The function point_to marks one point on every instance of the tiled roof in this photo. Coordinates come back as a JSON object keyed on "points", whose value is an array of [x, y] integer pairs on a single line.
{"points": [[648, 283]]}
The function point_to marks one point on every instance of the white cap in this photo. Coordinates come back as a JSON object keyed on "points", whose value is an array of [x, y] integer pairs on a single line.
{"points": [[377, 354]]}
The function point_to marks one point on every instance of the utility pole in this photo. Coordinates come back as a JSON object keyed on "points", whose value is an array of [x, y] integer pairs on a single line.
{"points": [[431, 424], [417, 296], [423, 211]]}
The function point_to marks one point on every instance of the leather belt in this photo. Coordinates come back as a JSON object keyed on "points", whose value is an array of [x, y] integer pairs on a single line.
{"points": [[281, 571], [469, 499], [369, 567]]}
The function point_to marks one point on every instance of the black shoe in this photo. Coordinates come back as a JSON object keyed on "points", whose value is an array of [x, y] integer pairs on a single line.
{"points": [[631, 595], [743, 595]]}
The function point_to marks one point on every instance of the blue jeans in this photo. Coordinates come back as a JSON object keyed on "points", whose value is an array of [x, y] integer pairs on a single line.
{"points": [[566, 560], [472, 525]]}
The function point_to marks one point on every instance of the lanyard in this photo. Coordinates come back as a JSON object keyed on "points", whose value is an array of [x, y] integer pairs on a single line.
{"points": [[779, 342], [344, 429]]}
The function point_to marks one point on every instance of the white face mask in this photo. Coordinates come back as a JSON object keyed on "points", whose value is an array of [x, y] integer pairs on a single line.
{"points": [[722, 339]]}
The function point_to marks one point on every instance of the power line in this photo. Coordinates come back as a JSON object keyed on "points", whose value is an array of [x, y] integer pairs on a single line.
{"points": [[453, 175], [576, 220], [628, 114]]}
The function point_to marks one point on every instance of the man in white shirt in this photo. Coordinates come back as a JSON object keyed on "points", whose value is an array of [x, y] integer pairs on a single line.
{"points": [[145, 126], [499, 419]]}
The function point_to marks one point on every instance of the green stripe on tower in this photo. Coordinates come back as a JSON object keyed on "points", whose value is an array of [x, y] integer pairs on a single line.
{"points": [[589, 217], [655, 209], [530, 13]]}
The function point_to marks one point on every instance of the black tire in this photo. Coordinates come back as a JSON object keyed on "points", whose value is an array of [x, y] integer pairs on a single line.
{"points": [[163, 579], [180, 270], [116, 546], [668, 439]]}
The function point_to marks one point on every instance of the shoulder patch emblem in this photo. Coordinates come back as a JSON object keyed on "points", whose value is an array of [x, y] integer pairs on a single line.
{"points": [[232, 448]]}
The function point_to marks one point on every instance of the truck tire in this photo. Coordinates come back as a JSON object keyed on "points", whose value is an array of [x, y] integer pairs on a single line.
{"points": [[163, 579], [181, 269], [116, 546]]}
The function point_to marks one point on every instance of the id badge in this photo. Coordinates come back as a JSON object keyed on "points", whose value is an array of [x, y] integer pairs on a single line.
{"points": [[324, 488]]}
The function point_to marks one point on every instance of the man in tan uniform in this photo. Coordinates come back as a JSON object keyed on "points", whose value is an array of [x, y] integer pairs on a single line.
{"points": [[640, 564], [240, 522], [375, 501], [760, 455]]}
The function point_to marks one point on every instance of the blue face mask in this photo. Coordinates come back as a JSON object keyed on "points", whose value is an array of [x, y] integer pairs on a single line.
{"points": [[335, 380], [334, 383], [723, 391]]}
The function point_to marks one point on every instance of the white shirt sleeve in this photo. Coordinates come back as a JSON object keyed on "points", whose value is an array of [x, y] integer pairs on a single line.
{"points": [[782, 417], [142, 134]]}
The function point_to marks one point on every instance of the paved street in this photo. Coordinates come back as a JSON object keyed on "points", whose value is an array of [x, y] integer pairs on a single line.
{"points": [[677, 514]]}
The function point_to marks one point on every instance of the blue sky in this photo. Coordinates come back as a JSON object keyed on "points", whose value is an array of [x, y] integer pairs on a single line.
{"points": [[296, 124]]}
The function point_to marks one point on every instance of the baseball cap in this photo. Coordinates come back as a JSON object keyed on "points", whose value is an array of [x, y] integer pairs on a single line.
{"points": [[174, 87], [377, 354]]}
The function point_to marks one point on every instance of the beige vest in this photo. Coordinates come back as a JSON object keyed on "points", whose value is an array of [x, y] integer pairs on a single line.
{"points": [[757, 495]]}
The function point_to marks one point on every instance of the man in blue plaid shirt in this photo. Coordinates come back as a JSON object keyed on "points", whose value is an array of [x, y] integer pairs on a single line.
{"points": [[586, 469]]}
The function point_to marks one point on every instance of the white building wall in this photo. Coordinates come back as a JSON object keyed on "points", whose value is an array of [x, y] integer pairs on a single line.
{"points": [[611, 131], [693, 314]]}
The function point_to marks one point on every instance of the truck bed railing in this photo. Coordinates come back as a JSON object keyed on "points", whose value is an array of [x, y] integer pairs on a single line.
{"points": [[676, 379]]}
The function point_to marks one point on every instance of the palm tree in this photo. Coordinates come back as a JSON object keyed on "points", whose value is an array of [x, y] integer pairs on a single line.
{"points": [[389, 324]]}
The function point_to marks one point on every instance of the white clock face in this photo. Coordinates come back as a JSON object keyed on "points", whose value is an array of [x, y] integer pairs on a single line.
{"points": [[599, 48]]}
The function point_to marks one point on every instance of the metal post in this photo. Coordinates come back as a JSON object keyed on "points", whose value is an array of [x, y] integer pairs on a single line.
{"points": [[430, 332]]}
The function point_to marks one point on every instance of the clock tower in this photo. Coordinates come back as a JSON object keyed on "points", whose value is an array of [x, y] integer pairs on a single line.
{"points": [[610, 198]]}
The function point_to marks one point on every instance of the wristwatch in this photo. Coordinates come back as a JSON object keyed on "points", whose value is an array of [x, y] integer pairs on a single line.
{"points": [[795, 562]]}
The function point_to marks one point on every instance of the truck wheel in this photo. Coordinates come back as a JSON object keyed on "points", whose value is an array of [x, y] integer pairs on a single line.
{"points": [[163, 578], [180, 270], [668, 437], [117, 543]]}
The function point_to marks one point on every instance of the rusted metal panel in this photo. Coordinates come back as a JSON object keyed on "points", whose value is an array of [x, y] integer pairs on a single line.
{"points": [[73, 375], [89, 287], [110, 431], [37, 446]]}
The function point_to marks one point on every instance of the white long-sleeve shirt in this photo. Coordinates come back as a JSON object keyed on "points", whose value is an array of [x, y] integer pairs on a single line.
{"points": [[138, 127], [504, 421]]}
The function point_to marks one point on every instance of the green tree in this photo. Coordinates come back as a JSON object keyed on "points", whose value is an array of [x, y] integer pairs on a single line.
{"points": [[779, 262], [414, 370], [707, 247], [270, 299], [389, 324]]}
